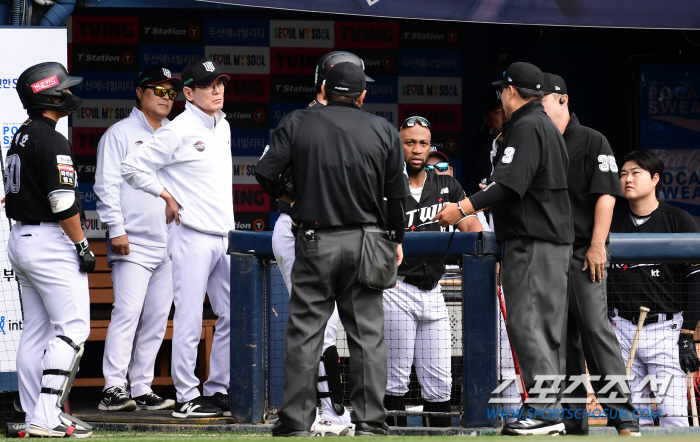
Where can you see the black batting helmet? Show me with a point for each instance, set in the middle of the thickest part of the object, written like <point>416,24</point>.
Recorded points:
<point>327,61</point>
<point>38,85</point>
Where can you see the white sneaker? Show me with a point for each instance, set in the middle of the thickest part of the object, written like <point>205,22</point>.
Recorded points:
<point>326,428</point>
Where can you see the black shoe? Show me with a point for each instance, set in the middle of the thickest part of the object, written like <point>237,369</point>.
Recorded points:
<point>528,427</point>
<point>629,428</point>
<point>116,399</point>
<point>69,427</point>
<point>279,430</point>
<point>199,407</point>
<point>371,429</point>
<point>222,401</point>
<point>151,401</point>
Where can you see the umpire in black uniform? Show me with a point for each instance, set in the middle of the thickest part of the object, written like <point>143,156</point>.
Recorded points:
<point>593,185</point>
<point>533,224</point>
<point>344,163</point>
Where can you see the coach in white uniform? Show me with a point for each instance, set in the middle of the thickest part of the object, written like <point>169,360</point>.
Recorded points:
<point>141,269</point>
<point>188,164</point>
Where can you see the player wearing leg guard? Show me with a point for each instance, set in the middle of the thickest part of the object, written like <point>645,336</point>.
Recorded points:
<point>331,362</point>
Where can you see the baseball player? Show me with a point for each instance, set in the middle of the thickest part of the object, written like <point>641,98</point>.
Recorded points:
<point>188,164</point>
<point>42,197</point>
<point>141,268</point>
<point>416,322</point>
<point>666,347</point>
<point>593,185</point>
<point>532,215</point>
<point>345,161</point>
<point>330,391</point>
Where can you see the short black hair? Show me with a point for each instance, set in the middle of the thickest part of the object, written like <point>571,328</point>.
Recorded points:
<point>529,94</point>
<point>342,96</point>
<point>648,161</point>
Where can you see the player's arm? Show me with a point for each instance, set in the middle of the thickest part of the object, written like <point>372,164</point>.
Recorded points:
<point>395,188</point>
<point>469,223</point>
<point>596,255</point>
<point>110,154</point>
<point>491,195</point>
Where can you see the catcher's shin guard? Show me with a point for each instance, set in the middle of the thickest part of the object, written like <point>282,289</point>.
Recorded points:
<point>437,421</point>
<point>69,374</point>
<point>395,403</point>
<point>331,362</point>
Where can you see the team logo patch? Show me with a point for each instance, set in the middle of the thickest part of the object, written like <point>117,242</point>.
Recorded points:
<point>138,143</point>
<point>208,66</point>
<point>166,72</point>
<point>64,159</point>
<point>199,145</point>
<point>45,84</point>
<point>66,174</point>
<point>444,190</point>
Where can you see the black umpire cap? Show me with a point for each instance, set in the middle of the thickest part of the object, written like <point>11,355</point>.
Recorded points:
<point>201,72</point>
<point>521,74</point>
<point>553,84</point>
<point>346,77</point>
<point>159,74</point>
<point>327,61</point>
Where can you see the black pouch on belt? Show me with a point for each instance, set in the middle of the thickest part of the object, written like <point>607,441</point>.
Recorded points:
<point>378,262</point>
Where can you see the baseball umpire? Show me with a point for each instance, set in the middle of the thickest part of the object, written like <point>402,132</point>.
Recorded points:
<point>533,224</point>
<point>593,185</point>
<point>330,387</point>
<point>666,348</point>
<point>188,164</point>
<point>42,197</point>
<point>141,268</point>
<point>416,322</point>
<point>344,162</point>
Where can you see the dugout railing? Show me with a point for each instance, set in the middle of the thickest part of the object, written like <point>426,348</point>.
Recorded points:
<point>258,312</point>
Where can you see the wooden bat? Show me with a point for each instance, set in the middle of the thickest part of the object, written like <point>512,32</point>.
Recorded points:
<point>693,404</point>
<point>502,301</point>
<point>642,316</point>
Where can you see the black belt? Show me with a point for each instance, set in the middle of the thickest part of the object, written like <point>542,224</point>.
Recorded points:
<point>30,223</point>
<point>652,318</point>
<point>424,283</point>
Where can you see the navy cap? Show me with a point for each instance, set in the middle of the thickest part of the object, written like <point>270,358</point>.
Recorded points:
<point>521,74</point>
<point>553,84</point>
<point>159,74</point>
<point>346,77</point>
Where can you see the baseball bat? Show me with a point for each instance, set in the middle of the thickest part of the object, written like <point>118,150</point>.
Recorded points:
<point>642,316</point>
<point>693,404</point>
<point>502,301</point>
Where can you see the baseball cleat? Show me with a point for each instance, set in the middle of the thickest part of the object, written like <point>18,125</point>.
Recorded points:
<point>116,399</point>
<point>628,428</point>
<point>222,401</point>
<point>199,407</point>
<point>151,401</point>
<point>532,427</point>
<point>326,428</point>
<point>67,428</point>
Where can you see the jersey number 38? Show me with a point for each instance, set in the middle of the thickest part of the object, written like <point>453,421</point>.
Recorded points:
<point>607,163</point>
<point>12,174</point>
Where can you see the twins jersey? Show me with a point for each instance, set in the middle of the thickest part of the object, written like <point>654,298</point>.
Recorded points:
<point>663,288</point>
<point>39,162</point>
<point>438,190</point>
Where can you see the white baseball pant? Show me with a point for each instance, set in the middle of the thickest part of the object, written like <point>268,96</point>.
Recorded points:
<point>283,248</point>
<point>657,355</point>
<point>56,302</point>
<point>200,267</point>
<point>417,332</point>
<point>143,295</point>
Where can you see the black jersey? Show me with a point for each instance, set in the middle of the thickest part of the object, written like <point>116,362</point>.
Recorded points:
<point>39,161</point>
<point>663,288</point>
<point>592,172</point>
<point>344,162</point>
<point>533,162</point>
<point>438,190</point>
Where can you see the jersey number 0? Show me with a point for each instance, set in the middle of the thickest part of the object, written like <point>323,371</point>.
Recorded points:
<point>12,174</point>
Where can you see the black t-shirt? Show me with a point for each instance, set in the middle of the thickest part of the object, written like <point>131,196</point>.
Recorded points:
<point>592,172</point>
<point>438,190</point>
<point>344,162</point>
<point>665,288</point>
<point>39,161</point>
<point>533,162</point>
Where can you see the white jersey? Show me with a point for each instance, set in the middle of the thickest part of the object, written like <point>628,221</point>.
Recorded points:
<point>191,158</point>
<point>124,209</point>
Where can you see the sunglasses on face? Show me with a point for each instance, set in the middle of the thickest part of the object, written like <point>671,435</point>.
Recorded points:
<point>160,91</point>
<point>411,121</point>
<point>441,167</point>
